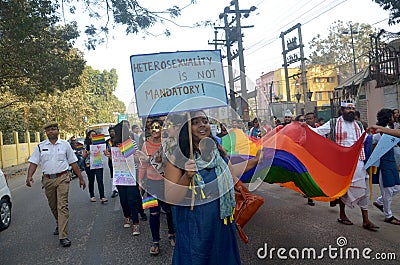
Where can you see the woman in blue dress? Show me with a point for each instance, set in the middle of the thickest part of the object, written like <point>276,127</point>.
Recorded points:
<point>205,228</point>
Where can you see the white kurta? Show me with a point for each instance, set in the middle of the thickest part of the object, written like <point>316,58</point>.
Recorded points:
<point>359,189</point>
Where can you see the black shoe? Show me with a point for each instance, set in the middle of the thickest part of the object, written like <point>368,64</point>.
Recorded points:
<point>334,203</point>
<point>144,217</point>
<point>65,242</point>
<point>114,194</point>
<point>55,231</point>
<point>311,202</point>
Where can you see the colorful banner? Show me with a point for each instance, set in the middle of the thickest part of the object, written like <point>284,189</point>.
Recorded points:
<point>96,155</point>
<point>178,81</point>
<point>98,139</point>
<point>298,158</point>
<point>123,174</point>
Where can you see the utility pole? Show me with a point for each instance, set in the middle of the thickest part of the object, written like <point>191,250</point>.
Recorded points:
<point>233,34</point>
<point>303,66</point>
<point>352,45</point>
<point>228,44</point>
<point>287,47</point>
<point>245,106</point>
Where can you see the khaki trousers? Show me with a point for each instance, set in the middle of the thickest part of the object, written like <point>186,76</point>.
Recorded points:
<point>56,191</point>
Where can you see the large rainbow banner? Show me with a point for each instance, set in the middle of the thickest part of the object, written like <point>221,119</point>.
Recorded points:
<point>296,157</point>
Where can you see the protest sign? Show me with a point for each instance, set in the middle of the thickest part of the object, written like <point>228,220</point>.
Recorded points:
<point>124,172</point>
<point>96,155</point>
<point>178,81</point>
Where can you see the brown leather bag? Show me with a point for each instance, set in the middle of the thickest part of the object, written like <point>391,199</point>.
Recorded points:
<point>247,205</point>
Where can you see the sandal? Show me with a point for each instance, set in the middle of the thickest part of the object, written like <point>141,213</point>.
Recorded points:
<point>370,227</point>
<point>392,220</point>
<point>345,221</point>
<point>155,249</point>
<point>377,205</point>
<point>172,240</point>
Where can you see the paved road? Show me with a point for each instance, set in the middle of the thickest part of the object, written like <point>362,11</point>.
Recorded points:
<point>285,221</point>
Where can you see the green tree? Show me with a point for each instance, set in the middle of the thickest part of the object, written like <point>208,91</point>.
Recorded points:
<point>394,7</point>
<point>100,86</point>
<point>106,15</point>
<point>37,56</point>
<point>336,48</point>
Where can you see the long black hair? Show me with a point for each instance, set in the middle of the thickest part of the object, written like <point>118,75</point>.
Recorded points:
<point>88,141</point>
<point>183,141</point>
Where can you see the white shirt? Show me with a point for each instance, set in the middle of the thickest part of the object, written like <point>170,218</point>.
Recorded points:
<point>347,127</point>
<point>53,158</point>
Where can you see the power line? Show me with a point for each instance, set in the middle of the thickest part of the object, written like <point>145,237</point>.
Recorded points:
<point>273,39</point>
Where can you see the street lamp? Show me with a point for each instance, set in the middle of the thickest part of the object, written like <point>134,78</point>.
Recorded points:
<point>309,94</point>
<point>352,45</point>
<point>298,96</point>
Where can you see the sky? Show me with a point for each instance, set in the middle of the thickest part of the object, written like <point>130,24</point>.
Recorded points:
<point>263,50</point>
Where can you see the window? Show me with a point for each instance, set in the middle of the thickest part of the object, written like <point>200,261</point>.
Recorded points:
<point>330,79</point>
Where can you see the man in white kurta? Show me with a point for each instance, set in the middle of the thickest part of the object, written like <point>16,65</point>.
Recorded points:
<point>347,132</point>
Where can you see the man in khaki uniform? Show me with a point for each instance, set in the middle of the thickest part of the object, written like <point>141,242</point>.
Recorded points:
<point>54,156</point>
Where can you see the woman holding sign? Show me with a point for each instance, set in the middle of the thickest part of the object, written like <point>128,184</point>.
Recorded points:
<point>205,229</point>
<point>93,173</point>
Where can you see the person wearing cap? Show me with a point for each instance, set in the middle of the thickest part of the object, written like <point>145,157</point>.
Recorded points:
<point>288,117</point>
<point>345,131</point>
<point>54,157</point>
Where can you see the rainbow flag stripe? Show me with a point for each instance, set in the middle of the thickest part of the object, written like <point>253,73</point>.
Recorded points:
<point>299,159</point>
<point>98,139</point>
<point>79,146</point>
<point>128,147</point>
<point>150,202</point>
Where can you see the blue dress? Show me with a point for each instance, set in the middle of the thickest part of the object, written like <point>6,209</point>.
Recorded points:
<point>201,236</point>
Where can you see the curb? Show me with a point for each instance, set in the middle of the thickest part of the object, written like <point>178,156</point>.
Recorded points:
<point>16,171</point>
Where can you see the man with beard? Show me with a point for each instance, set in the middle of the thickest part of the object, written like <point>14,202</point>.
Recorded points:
<point>345,131</point>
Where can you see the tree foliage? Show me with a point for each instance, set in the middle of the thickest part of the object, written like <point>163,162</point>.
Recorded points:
<point>394,7</point>
<point>336,48</point>
<point>105,15</point>
<point>36,55</point>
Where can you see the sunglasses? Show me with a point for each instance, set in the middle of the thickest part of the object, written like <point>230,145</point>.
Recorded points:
<point>155,128</point>
<point>303,120</point>
<point>350,108</point>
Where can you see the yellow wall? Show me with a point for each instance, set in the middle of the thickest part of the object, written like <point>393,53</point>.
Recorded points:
<point>321,80</point>
<point>15,154</point>
<point>280,83</point>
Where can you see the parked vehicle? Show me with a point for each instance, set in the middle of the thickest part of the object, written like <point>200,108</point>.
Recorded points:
<point>5,203</point>
<point>102,128</point>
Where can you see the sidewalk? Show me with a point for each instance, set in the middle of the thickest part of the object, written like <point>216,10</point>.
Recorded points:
<point>16,171</point>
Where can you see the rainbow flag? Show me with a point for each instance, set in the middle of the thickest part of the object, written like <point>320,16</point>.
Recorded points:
<point>98,139</point>
<point>150,202</point>
<point>79,146</point>
<point>298,158</point>
<point>128,148</point>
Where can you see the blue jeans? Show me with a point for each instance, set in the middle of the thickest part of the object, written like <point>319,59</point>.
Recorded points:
<point>128,197</point>
<point>98,174</point>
